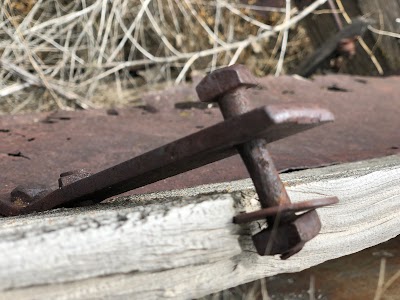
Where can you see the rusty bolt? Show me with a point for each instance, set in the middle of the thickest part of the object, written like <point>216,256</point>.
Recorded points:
<point>69,177</point>
<point>288,238</point>
<point>226,80</point>
<point>227,86</point>
<point>25,194</point>
<point>290,207</point>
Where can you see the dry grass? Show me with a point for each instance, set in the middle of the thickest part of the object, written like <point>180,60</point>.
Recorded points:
<point>58,54</point>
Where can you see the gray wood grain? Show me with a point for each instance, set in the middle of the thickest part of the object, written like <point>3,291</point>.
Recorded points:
<point>182,244</point>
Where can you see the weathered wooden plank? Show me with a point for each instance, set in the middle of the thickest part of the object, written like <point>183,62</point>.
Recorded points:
<point>182,244</point>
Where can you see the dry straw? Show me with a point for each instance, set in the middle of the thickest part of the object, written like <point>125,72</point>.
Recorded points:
<point>67,54</point>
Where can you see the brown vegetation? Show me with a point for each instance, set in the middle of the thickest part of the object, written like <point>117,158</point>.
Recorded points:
<point>94,53</point>
<point>72,49</point>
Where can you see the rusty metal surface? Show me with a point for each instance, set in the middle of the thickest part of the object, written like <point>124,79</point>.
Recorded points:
<point>38,147</point>
<point>290,235</point>
<point>290,207</point>
<point>200,148</point>
<point>228,87</point>
<point>222,81</point>
<point>244,130</point>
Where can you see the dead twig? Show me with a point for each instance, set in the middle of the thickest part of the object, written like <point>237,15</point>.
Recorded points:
<point>284,41</point>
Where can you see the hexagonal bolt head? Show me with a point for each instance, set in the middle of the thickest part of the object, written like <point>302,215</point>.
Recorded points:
<point>25,194</point>
<point>289,238</point>
<point>223,81</point>
<point>69,177</point>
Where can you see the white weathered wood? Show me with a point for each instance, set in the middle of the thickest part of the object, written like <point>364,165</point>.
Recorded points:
<point>182,244</point>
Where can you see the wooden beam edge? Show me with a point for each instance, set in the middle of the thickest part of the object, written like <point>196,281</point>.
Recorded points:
<point>209,258</point>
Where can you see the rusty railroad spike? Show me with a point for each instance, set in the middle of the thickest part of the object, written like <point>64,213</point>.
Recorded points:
<point>287,232</point>
<point>210,144</point>
<point>243,130</point>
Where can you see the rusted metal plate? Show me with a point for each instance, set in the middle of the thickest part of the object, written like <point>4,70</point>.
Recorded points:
<point>208,145</point>
<point>38,147</point>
